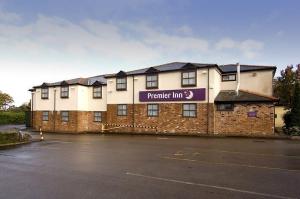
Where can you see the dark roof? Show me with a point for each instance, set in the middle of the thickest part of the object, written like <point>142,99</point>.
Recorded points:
<point>174,66</point>
<point>231,68</point>
<point>78,81</point>
<point>243,96</point>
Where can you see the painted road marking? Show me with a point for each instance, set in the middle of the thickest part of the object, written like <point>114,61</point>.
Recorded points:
<point>162,138</point>
<point>244,153</point>
<point>231,164</point>
<point>210,186</point>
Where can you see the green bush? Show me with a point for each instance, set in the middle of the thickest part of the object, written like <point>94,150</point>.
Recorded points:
<point>13,137</point>
<point>9,117</point>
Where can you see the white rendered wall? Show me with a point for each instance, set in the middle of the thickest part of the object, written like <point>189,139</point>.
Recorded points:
<point>255,81</point>
<point>166,81</point>
<point>119,97</point>
<point>80,99</point>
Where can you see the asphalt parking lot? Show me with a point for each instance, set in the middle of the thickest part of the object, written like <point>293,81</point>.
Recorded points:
<point>124,166</point>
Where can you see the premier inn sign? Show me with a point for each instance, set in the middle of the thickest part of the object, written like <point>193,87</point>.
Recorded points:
<point>172,95</point>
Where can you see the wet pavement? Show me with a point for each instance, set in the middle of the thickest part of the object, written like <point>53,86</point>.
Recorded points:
<point>124,166</point>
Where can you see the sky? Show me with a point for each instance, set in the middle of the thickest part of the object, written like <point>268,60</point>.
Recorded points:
<point>54,40</point>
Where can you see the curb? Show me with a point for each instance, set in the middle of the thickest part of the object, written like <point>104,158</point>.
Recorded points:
<point>271,137</point>
<point>10,145</point>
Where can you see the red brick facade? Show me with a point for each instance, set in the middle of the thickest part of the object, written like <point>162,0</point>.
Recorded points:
<point>79,121</point>
<point>169,120</point>
<point>237,121</point>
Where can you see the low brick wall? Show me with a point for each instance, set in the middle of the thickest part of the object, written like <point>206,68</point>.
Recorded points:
<point>237,121</point>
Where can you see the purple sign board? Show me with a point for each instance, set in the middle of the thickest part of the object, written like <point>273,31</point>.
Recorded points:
<point>172,95</point>
<point>252,114</point>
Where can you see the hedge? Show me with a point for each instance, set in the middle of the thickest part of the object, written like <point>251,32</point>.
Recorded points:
<point>13,137</point>
<point>9,117</point>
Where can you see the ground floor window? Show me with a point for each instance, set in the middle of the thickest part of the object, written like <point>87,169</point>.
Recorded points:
<point>122,110</point>
<point>45,116</point>
<point>65,116</point>
<point>225,107</point>
<point>153,110</point>
<point>97,116</point>
<point>189,110</point>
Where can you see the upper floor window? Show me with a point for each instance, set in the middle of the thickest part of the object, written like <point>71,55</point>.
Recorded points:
<point>152,110</point>
<point>230,77</point>
<point>189,110</point>
<point>45,116</point>
<point>152,81</point>
<point>121,83</point>
<point>45,93</point>
<point>65,116</point>
<point>122,110</point>
<point>64,92</point>
<point>188,78</point>
<point>97,92</point>
<point>225,107</point>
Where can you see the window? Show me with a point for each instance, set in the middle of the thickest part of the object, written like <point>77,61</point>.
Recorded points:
<point>45,116</point>
<point>152,110</point>
<point>64,116</point>
<point>189,110</point>
<point>188,78</point>
<point>97,116</point>
<point>97,92</point>
<point>64,92</point>
<point>121,83</point>
<point>122,109</point>
<point>45,93</point>
<point>225,107</point>
<point>231,77</point>
<point>152,81</point>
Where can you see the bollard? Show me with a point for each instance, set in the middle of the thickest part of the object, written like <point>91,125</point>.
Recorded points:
<point>41,134</point>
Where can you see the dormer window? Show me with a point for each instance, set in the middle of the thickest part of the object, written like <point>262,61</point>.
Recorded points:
<point>152,81</point>
<point>45,93</point>
<point>97,92</point>
<point>121,81</point>
<point>188,78</point>
<point>64,92</point>
<point>229,77</point>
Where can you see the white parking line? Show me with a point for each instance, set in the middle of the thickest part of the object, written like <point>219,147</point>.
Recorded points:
<point>210,186</point>
<point>243,153</point>
<point>231,164</point>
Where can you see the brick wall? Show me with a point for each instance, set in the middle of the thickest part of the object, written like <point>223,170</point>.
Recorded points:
<point>170,119</point>
<point>79,121</point>
<point>238,122</point>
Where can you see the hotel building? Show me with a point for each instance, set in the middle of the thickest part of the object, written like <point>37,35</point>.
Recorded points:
<point>173,98</point>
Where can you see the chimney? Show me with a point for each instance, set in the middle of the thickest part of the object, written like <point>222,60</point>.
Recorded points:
<point>238,75</point>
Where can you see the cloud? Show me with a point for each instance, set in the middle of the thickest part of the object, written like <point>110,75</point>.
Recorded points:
<point>9,16</point>
<point>249,48</point>
<point>51,48</point>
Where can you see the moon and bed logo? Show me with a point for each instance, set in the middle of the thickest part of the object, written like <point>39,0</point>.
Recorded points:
<point>188,94</point>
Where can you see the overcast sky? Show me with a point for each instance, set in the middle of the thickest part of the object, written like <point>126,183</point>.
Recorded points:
<point>53,40</point>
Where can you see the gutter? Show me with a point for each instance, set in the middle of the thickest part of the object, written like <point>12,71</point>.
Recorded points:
<point>207,105</point>
<point>133,108</point>
<point>54,110</point>
<point>31,109</point>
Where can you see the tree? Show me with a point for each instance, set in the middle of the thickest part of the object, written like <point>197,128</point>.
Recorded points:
<point>284,86</point>
<point>292,117</point>
<point>5,101</point>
